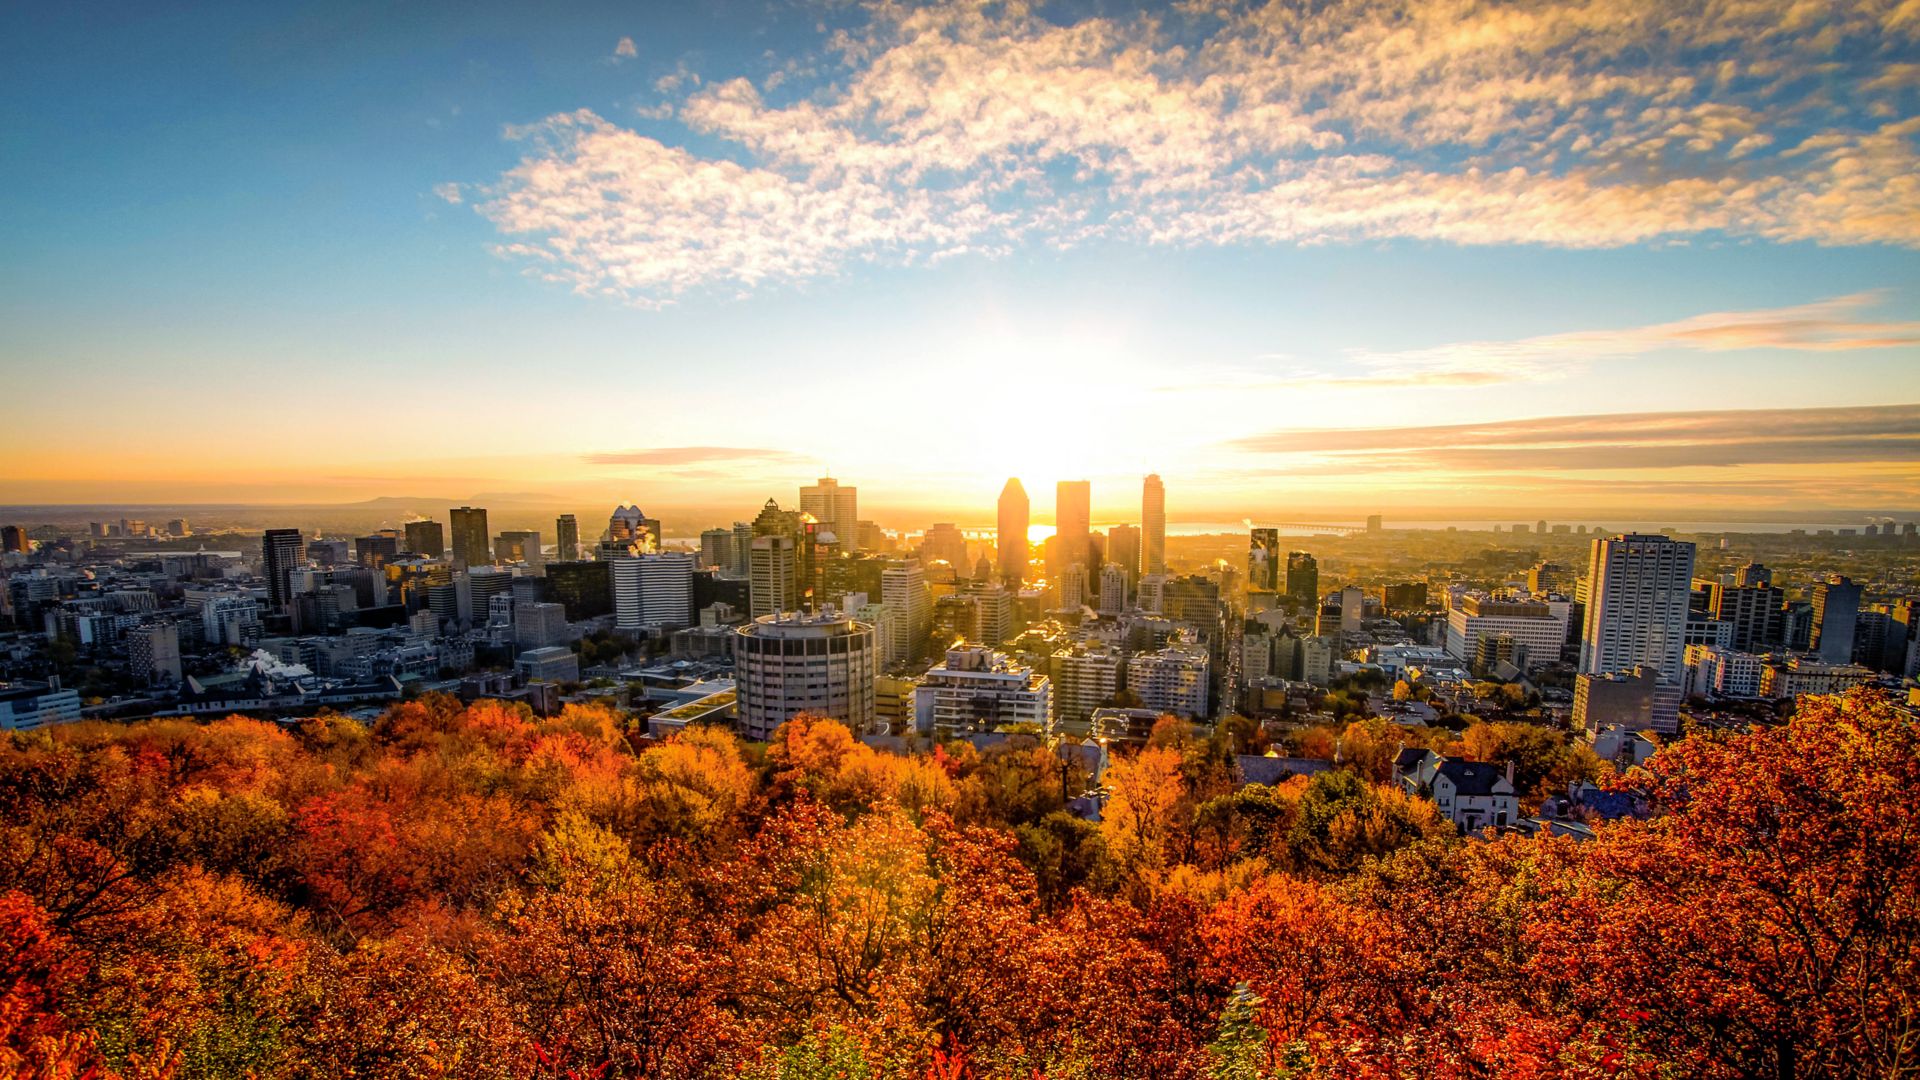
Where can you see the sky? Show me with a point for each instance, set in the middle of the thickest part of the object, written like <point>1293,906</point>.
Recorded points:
<point>1299,259</point>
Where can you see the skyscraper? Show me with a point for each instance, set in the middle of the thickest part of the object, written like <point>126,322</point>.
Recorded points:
<point>836,506</point>
<point>1073,526</point>
<point>1153,519</point>
<point>1113,589</point>
<point>566,538</point>
<point>653,590</point>
<point>944,542</point>
<point>773,576</point>
<point>470,536</point>
<point>283,549</point>
<point>903,592</point>
<point>1263,561</point>
<point>1836,613</point>
<point>1010,541</point>
<point>1123,547</point>
<point>1638,591</point>
<point>716,548</point>
<point>520,545</point>
<point>1303,580</point>
<point>426,538</point>
<point>630,527</point>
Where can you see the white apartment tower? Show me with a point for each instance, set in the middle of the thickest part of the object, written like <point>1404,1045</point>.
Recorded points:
<point>979,690</point>
<point>1637,593</point>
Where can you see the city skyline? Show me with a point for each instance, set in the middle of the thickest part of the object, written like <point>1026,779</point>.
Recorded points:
<point>1630,263</point>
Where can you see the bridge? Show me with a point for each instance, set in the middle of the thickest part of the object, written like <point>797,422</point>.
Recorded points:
<point>1303,526</point>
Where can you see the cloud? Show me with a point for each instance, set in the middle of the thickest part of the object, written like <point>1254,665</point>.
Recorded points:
<point>625,49</point>
<point>1831,325</point>
<point>686,455</point>
<point>1866,434</point>
<point>449,193</point>
<point>961,127</point>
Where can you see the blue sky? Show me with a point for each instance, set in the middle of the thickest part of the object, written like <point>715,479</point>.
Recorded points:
<point>926,247</point>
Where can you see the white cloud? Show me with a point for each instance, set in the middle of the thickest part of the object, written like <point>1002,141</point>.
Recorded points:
<point>625,49</point>
<point>968,126</point>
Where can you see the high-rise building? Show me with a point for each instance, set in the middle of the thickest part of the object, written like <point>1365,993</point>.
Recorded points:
<point>1263,561</point>
<point>1085,677</point>
<point>13,540</point>
<point>909,606</point>
<point>945,542</point>
<point>1071,586</point>
<point>1172,680</point>
<point>1836,613</point>
<point>1113,589</point>
<point>824,664</point>
<point>153,653</point>
<point>283,550</point>
<point>1303,580</point>
<point>837,506</point>
<point>1638,588</point>
<point>653,590</point>
<point>629,527</point>
<point>774,576</point>
<point>742,547</point>
<point>470,537</point>
<point>1153,522</point>
<point>376,550</point>
<point>566,538</point>
<point>584,587</point>
<point>426,538</point>
<point>1073,526</point>
<point>978,691</point>
<point>520,546</point>
<point>1537,625</point>
<point>716,548</point>
<point>1752,607</point>
<point>1010,540</point>
<point>1123,547</point>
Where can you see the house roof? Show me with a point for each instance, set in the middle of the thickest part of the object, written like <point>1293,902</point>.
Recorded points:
<point>1269,771</point>
<point>1410,758</point>
<point>1473,777</point>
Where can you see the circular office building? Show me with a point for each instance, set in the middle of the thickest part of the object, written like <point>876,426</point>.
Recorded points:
<point>792,663</point>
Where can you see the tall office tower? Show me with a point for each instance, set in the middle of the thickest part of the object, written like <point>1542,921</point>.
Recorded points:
<point>377,550</point>
<point>824,664</point>
<point>630,527</point>
<point>1753,574</point>
<point>1547,577</point>
<point>903,592</point>
<point>1263,561</point>
<point>993,606</point>
<point>1153,520</point>
<point>1113,589</point>
<point>1123,547</point>
<point>566,538</point>
<point>1836,611</point>
<point>426,538</point>
<point>1373,522</point>
<point>483,584</point>
<point>1353,609</point>
<point>945,542</point>
<point>13,540</point>
<point>1073,526</point>
<point>836,506</point>
<point>773,575</point>
<point>470,537</point>
<point>1638,587</point>
<point>653,590</point>
<point>716,548</point>
<point>1010,541</point>
<point>520,545</point>
<point>1303,580</point>
<point>742,547</point>
<point>1152,594</point>
<point>282,548</point>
